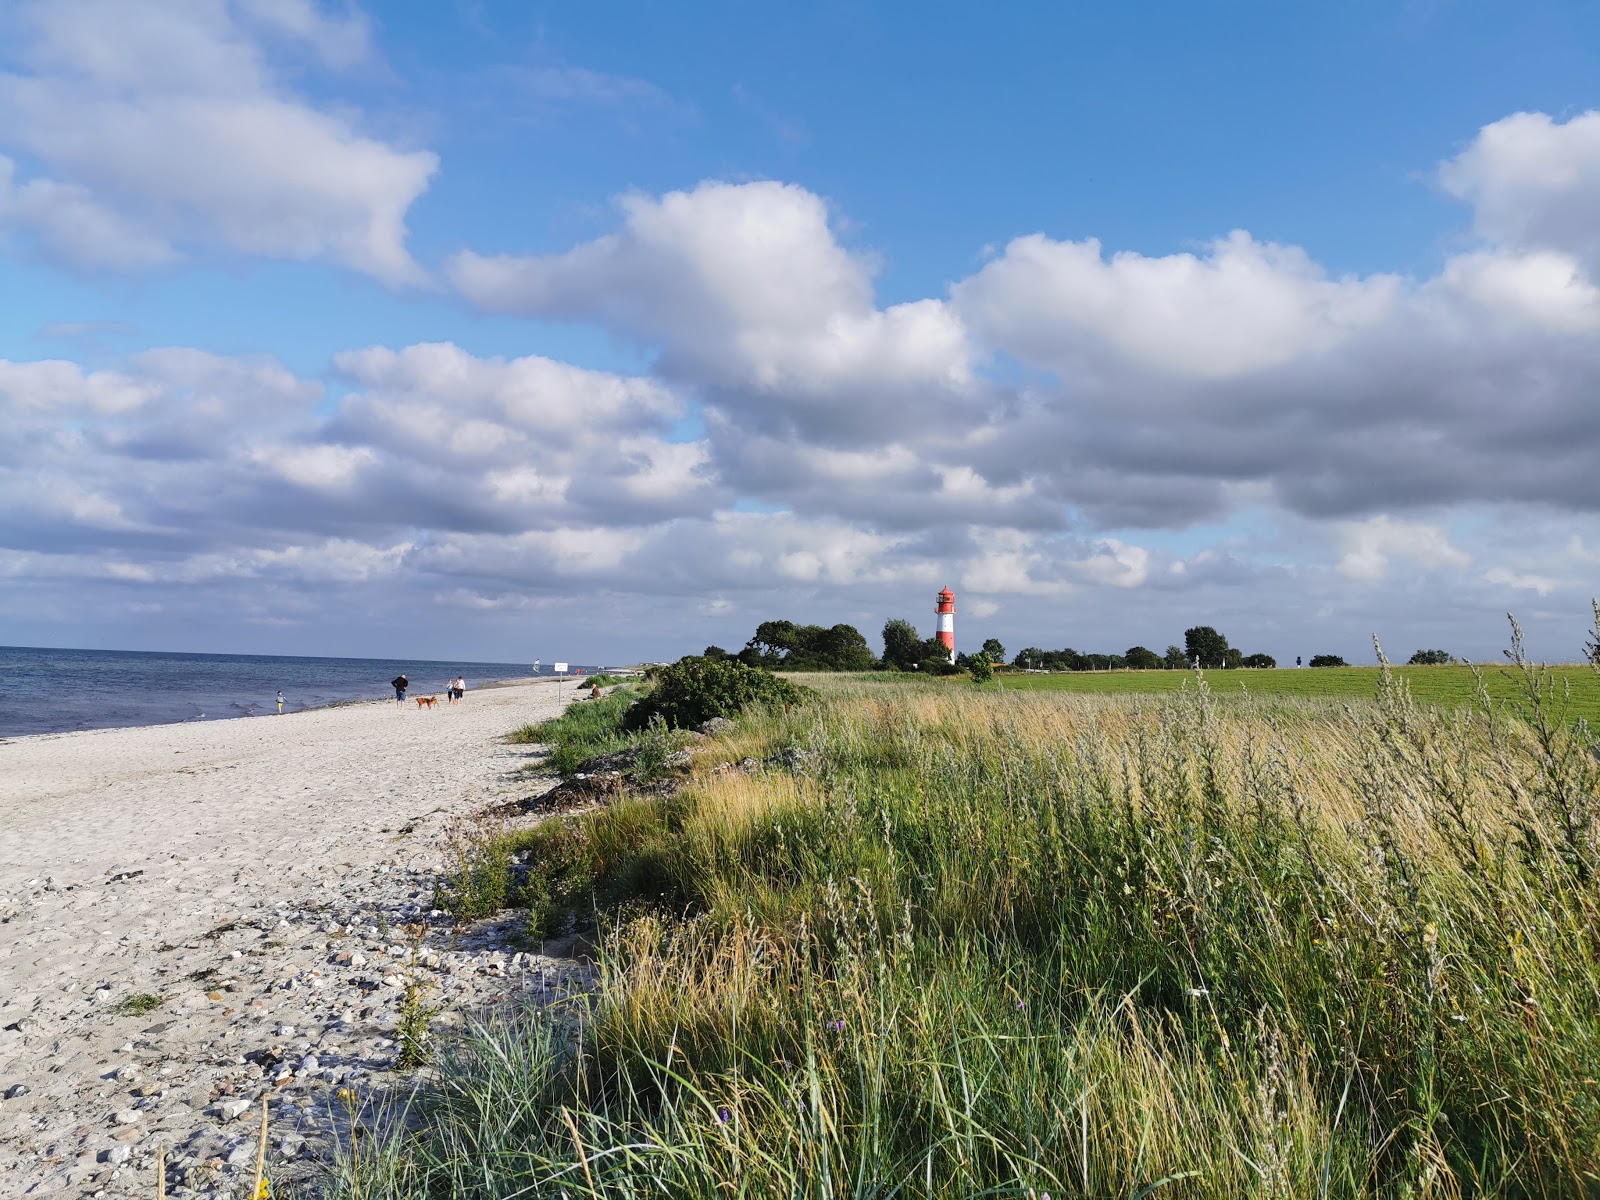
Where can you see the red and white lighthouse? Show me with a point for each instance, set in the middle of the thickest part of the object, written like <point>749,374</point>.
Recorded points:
<point>946,632</point>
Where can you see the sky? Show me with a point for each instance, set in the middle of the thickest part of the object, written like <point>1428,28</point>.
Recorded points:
<point>508,330</point>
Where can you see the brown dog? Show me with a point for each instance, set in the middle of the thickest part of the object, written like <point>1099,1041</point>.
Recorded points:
<point>426,701</point>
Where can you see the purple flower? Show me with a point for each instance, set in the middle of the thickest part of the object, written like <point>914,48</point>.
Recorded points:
<point>837,1024</point>
<point>724,1116</point>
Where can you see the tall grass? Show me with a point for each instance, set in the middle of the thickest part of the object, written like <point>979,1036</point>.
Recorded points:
<point>974,944</point>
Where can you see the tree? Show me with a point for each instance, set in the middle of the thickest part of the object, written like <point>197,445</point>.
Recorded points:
<point>773,641</point>
<point>1030,658</point>
<point>1259,661</point>
<point>1141,658</point>
<point>1175,659</point>
<point>902,648</point>
<point>843,648</point>
<point>804,648</point>
<point>1206,644</point>
<point>1328,660</point>
<point>982,668</point>
<point>993,650</point>
<point>1233,658</point>
<point>713,652</point>
<point>1431,658</point>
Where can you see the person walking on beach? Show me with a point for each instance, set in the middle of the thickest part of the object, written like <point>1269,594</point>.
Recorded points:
<point>400,683</point>
<point>461,687</point>
<point>280,704</point>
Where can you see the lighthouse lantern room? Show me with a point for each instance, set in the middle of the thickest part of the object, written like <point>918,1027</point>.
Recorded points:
<point>946,611</point>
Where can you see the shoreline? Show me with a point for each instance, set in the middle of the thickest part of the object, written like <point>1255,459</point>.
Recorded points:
<point>350,702</point>
<point>254,880</point>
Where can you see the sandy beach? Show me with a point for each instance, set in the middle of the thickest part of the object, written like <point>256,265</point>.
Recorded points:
<point>253,874</point>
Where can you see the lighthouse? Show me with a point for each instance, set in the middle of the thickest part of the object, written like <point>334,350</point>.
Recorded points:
<point>946,628</point>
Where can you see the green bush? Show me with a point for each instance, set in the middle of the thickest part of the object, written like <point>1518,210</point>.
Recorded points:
<point>693,690</point>
<point>1328,660</point>
<point>1431,658</point>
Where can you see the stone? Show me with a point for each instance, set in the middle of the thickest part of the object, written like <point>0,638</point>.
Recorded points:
<point>290,1144</point>
<point>16,1090</point>
<point>126,1117</point>
<point>116,1155</point>
<point>228,1110</point>
<point>241,1154</point>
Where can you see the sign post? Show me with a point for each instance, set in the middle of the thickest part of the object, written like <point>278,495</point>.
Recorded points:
<point>561,677</point>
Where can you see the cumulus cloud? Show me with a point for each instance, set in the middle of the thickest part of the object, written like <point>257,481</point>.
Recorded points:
<point>153,128</point>
<point>1241,307</point>
<point>1070,425</point>
<point>744,290</point>
<point>1531,181</point>
<point>1371,546</point>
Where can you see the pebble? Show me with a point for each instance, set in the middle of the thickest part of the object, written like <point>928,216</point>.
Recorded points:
<point>308,1020</point>
<point>241,1154</point>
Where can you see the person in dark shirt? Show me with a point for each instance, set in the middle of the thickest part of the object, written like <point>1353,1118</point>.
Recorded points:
<point>399,683</point>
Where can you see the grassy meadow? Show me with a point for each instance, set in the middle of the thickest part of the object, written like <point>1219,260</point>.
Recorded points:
<point>1447,687</point>
<point>942,941</point>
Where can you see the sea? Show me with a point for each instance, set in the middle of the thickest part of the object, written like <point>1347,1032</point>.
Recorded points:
<point>53,691</point>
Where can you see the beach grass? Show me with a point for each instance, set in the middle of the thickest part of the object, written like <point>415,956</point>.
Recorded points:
<point>584,730</point>
<point>945,941</point>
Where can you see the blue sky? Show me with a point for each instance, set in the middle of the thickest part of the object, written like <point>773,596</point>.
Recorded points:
<point>531,330</point>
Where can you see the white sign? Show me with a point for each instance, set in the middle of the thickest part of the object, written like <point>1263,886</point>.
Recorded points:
<point>561,668</point>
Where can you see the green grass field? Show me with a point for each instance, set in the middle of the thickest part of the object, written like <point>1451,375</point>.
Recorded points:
<point>1438,687</point>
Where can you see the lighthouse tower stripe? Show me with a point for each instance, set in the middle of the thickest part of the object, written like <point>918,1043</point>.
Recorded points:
<point>945,609</point>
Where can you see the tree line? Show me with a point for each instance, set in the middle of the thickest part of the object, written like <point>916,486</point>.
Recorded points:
<point>791,647</point>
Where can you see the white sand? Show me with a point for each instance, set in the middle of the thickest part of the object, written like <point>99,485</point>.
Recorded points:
<point>227,821</point>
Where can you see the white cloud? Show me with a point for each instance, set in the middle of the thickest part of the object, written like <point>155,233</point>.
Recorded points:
<point>159,127</point>
<point>1544,287</point>
<point>1371,546</point>
<point>744,287</point>
<point>1542,584</point>
<point>1532,182</point>
<point>1242,307</point>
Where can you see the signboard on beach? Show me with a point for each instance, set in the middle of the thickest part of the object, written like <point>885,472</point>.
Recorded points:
<point>561,668</point>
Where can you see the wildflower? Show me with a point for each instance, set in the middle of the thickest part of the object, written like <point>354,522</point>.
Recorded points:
<point>1197,992</point>
<point>837,1024</point>
<point>1021,1004</point>
<point>723,1116</point>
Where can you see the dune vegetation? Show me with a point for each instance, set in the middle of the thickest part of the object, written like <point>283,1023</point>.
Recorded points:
<point>934,940</point>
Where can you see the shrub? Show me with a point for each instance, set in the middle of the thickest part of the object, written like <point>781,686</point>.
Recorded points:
<point>982,669</point>
<point>1328,660</point>
<point>693,690</point>
<point>1431,658</point>
<point>1260,661</point>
